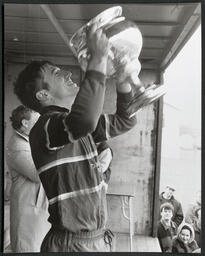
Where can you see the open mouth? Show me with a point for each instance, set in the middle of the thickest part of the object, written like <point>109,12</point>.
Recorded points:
<point>69,82</point>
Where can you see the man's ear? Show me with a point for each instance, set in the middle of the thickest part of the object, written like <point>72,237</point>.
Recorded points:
<point>24,123</point>
<point>42,95</point>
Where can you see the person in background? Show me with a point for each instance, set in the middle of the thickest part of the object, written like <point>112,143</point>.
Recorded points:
<point>105,154</point>
<point>190,213</point>
<point>167,229</point>
<point>7,187</point>
<point>197,225</point>
<point>193,217</point>
<point>28,203</point>
<point>184,242</point>
<point>65,153</point>
<point>167,197</point>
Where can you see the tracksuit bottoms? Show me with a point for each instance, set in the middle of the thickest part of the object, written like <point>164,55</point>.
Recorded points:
<point>62,240</point>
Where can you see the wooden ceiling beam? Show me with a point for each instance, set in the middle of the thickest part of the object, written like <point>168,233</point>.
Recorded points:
<point>37,43</point>
<point>145,37</point>
<point>55,23</point>
<point>138,22</point>
<point>63,60</point>
<point>33,32</point>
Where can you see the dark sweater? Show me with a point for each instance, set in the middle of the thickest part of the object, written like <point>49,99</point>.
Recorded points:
<point>165,235</point>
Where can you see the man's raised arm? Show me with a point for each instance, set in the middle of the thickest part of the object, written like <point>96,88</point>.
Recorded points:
<point>111,125</point>
<point>88,104</point>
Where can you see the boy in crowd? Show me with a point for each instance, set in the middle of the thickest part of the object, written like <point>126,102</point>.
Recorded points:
<point>167,229</point>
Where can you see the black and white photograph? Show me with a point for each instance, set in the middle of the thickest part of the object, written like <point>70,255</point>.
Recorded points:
<point>102,127</point>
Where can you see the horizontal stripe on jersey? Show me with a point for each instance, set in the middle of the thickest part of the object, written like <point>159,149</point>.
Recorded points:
<point>77,193</point>
<point>63,179</point>
<point>84,212</point>
<point>67,160</point>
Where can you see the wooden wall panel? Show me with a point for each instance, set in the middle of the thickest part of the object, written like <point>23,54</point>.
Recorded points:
<point>133,164</point>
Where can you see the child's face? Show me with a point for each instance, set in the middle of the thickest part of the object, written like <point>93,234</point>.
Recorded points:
<point>166,214</point>
<point>185,235</point>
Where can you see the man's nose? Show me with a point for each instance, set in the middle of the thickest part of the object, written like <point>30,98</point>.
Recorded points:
<point>65,73</point>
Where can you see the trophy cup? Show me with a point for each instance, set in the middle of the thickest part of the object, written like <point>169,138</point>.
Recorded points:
<point>126,42</point>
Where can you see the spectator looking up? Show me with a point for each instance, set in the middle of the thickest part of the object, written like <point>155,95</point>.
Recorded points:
<point>167,229</point>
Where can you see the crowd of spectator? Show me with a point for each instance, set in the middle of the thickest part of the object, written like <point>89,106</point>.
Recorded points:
<point>178,232</point>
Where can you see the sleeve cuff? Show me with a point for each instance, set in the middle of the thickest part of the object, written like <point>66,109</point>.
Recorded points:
<point>124,97</point>
<point>95,75</point>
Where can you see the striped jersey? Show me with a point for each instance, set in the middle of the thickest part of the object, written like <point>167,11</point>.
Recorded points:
<point>63,146</point>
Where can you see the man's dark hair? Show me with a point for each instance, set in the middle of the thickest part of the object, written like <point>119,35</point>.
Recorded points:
<point>167,206</point>
<point>29,82</point>
<point>18,114</point>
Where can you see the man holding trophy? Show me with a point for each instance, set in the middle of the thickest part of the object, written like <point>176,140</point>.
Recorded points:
<point>63,142</point>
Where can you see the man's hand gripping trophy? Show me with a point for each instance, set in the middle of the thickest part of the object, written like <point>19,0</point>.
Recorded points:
<point>125,44</point>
